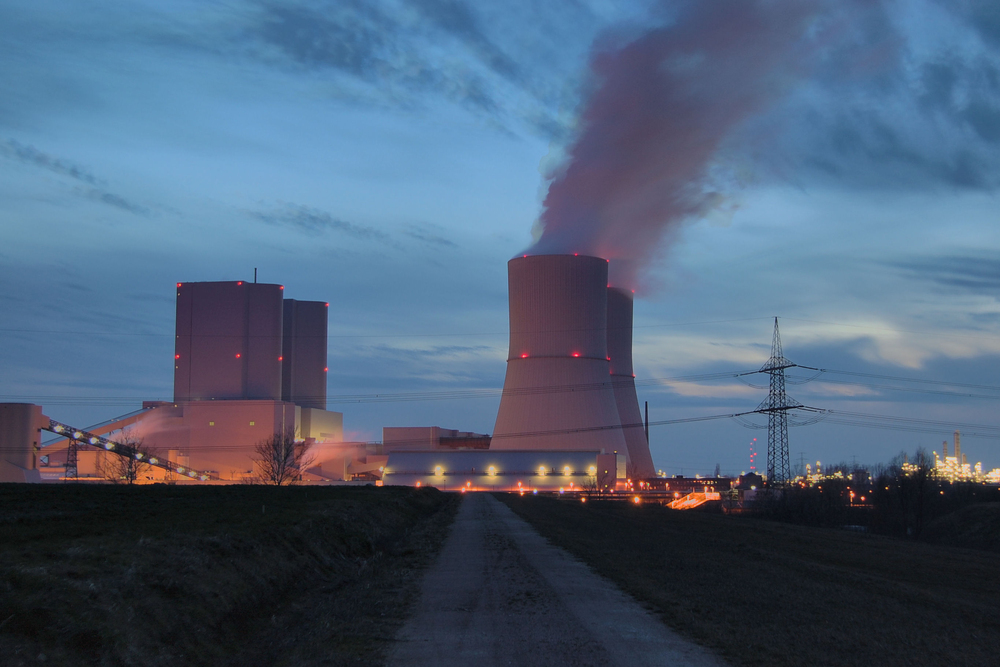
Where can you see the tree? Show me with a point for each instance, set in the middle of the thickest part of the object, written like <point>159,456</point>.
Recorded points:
<point>280,458</point>
<point>127,461</point>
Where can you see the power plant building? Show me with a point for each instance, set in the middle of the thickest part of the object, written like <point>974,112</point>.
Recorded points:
<point>303,353</point>
<point>228,341</point>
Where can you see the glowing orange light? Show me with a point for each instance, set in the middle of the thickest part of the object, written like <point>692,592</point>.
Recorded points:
<point>635,500</point>
<point>583,500</point>
<point>418,483</point>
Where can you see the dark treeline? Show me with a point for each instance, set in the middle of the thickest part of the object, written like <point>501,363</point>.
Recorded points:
<point>899,498</point>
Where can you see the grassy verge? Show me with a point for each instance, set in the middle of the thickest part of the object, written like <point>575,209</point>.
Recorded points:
<point>237,575</point>
<point>763,593</point>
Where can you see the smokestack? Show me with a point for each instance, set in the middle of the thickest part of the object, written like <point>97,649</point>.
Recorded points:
<point>958,447</point>
<point>557,393</point>
<point>620,353</point>
<point>944,446</point>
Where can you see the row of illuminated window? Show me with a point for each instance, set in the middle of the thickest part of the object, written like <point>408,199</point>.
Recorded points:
<point>542,471</point>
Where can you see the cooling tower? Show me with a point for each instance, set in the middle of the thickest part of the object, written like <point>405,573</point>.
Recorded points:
<point>557,393</point>
<point>620,354</point>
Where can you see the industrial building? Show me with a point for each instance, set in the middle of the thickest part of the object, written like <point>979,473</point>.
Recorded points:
<point>249,363</point>
<point>506,470</point>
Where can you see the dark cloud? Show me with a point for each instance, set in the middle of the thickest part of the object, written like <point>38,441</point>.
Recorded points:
<point>117,201</point>
<point>31,155</point>
<point>458,19</point>
<point>315,222</point>
<point>985,17</point>
<point>427,235</point>
<point>349,38</point>
<point>969,273</point>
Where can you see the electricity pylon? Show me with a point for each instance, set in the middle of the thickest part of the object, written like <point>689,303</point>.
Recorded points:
<point>776,405</point>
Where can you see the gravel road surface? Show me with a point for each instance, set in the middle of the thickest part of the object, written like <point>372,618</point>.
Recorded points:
<point>499,594</point>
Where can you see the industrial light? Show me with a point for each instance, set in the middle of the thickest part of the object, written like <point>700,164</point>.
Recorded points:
<point>77,434</point>
<point>492,470</point>
<point>566,471</point>
<point>438,471</point>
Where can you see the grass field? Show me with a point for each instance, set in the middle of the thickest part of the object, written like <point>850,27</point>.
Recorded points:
<point>764,593</point>
<point>235,575</point>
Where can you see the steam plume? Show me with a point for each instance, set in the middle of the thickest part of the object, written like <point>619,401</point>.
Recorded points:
<point>664,105</point>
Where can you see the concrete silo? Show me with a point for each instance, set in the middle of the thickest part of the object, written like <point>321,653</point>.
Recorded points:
<point>558,393</point>
<point>620,355</point>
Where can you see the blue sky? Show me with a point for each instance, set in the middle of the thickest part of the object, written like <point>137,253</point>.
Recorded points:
<point>390,157</point>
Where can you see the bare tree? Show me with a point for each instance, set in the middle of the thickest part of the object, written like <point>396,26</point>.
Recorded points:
<point>280,458</point>
<point>127,461</point>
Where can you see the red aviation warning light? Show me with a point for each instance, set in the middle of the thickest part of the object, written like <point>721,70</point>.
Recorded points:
<point>238,355</point>
<point>576,354</point>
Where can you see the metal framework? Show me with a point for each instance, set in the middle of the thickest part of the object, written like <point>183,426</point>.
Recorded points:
<point>82,437</point>
<point>71,470</point>
<point>776,406</point>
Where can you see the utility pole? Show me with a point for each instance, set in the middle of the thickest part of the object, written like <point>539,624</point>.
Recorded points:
<point>776,406</point>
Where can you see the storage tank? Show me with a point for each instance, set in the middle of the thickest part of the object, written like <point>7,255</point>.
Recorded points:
<point>558,392</point>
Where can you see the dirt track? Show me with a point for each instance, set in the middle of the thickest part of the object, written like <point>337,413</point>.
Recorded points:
<point>499,594</point>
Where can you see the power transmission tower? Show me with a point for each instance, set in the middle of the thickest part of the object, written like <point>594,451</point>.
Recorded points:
<point>776,405</point>
<point>71,470</point>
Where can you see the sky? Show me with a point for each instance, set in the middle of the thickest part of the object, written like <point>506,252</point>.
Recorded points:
<point>832,164</point>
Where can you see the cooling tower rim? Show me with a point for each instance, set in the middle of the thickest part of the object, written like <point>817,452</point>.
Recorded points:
<point>581,256</point>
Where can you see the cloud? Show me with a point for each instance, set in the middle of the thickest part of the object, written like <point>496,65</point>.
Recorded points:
<point>31,155</point>
<point>458,19</point>
<point>315,222</point>
<point>117,201</point>
<point>426,234</point>
<point>967,273</point>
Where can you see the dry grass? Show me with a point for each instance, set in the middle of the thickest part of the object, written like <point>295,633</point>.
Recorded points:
<point>763,593</point>
<point>236,575</point>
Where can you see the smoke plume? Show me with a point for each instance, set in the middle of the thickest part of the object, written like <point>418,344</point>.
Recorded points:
<point>673,117</point>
